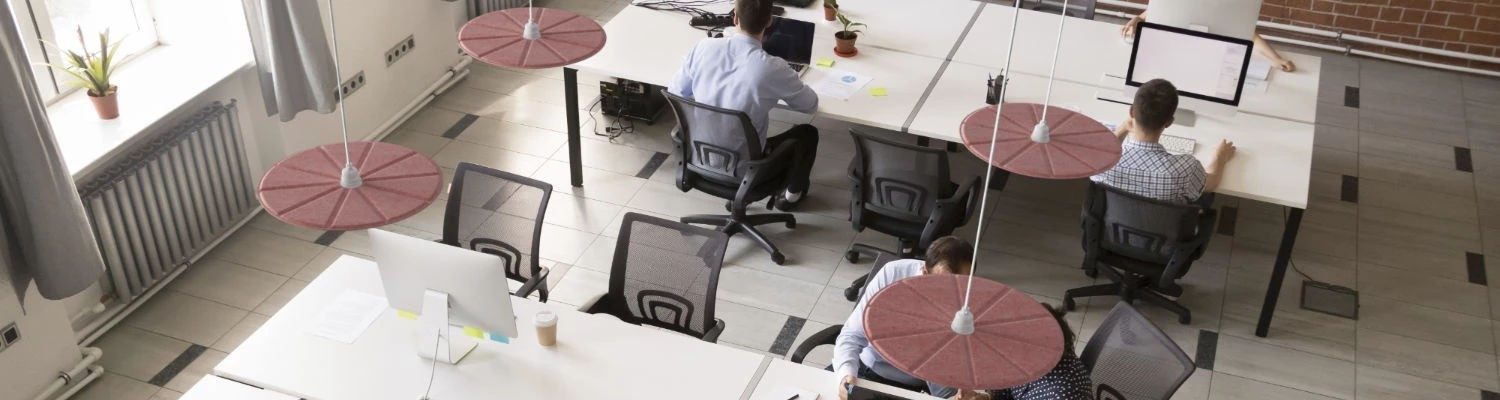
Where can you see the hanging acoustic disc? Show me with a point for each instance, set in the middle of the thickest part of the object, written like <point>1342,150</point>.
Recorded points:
<point>566,38</point>
<point>1079,147</point>
<point>304,189</point>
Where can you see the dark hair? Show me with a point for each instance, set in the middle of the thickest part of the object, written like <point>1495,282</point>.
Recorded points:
<point>754,15</point>
<point>1067,331</point>
<point>1155,102</point>
<point>952,252</point>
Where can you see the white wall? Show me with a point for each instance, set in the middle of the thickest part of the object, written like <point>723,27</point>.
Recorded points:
<point>46,346</point>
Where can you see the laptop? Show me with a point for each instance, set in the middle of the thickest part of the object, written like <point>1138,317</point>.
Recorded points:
<point>792,40</point>
<point>794,3</point>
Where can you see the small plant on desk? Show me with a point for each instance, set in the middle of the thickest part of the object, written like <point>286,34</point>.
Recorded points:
<point>830,9</point>
<point>844,39</point>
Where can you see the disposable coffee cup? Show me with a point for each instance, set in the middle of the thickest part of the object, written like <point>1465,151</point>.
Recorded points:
<point>546,328</point>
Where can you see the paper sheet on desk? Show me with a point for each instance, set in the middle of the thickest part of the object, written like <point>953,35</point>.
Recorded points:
<point>840,84</point>
<point>348,316</point>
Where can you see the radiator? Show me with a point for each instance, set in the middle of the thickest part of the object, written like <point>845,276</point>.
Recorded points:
<point>166,199</point>
<point>481,7</point>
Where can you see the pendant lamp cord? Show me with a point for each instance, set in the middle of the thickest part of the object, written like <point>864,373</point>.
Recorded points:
<point>339,87</point>
<point>1056,48</point>
<point>984,200</point>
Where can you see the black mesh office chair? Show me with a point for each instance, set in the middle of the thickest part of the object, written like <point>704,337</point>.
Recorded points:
<point>730,165</point>
<point>903,191</point>
<point>1076,8</point>
<point>1130,358</point>
<point>1146,245</point>
<point>500,213</point>
<point>665,274</point>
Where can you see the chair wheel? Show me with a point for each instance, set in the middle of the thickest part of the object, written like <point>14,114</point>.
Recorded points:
<point>791,224</point>
<point>1068,304</point>
<point>778,258</point>
<point>852,256</point>
<point>1185,319</point>
<point>1092,273</point>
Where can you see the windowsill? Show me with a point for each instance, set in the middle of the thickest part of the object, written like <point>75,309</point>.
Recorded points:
<point>151,88</point>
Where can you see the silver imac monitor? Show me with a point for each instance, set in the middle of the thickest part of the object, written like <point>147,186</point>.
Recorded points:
<point>1232,18</point>
<point>446,286</point>
<point>1202,66</point>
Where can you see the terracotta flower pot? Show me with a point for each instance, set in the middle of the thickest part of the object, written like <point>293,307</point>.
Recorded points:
<point>844,44</point>
<point>108,105</point>
<point>830,13</point>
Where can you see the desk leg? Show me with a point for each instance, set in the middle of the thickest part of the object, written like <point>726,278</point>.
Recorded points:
<point>575,147</point>
<point>1278,271</point>
<point>952,147</point>
<point>923,141</point>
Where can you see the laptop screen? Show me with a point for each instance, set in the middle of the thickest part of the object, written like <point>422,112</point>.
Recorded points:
<point>790,39</point>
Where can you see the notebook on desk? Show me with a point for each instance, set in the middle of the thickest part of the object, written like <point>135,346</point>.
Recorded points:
<point>791,40</point>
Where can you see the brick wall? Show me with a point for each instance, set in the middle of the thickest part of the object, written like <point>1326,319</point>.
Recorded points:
<point>1466,26</point>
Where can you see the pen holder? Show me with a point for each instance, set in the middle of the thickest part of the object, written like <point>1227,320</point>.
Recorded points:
<point>994,87</point>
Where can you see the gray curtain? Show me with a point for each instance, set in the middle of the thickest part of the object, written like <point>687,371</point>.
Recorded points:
<point>44,232</point>
<point>292,56</point>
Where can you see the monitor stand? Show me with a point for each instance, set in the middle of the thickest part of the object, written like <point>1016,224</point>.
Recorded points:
<point>438,340</point>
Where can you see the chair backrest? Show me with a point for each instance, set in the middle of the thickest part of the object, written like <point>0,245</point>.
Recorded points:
<point>898,180</point>
<point>1139,227</point>
<point>500,213</point>
<point>1076,8</point>
<point>1130,358</point>
<point>715,142</point>
<point>666,273</point>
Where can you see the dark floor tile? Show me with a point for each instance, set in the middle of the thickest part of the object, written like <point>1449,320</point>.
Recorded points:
<point>1476,269</point>
<point>327,238</point>
<point>652,165</point>
<point>1349,191</point>
<point>459,127</point>
<point>177,365</point>
<point>1463,159</point>
<point>1351,96</point>
<point>1208,346</point>
<point>1227,219</point>
<point>788,335</point>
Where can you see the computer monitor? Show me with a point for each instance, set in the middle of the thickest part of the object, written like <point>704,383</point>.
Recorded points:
<point>446,286</point>
<point>1202,66</point>
<point>1232,18</point>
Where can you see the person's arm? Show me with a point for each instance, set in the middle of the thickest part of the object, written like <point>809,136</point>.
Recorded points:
<point>682,83</point>
<point>852,340</point>
<point>1265,49</point>
<point>1123,130</point>
<point>1215,168</point>
<point>1129,29</point>
<point>785,84</point>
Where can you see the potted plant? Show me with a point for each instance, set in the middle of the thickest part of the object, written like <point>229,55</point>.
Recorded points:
<point>844,39</point>
<point>830,9</point>
<point>92,72</point>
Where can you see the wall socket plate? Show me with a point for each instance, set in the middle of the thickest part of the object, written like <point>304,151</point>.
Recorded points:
<point>350,86</point>
<point>9,336</point>
<point>400,50</point>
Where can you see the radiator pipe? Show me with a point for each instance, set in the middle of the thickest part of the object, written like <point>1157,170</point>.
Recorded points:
<point>455,73</point>
<point>1344,48</point>
<point>65,378</point>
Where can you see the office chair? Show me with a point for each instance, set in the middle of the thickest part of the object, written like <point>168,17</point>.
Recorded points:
<point>830,335</point>
<point>1076,8</point>
<point>500,213</point>
<point>903,191</point>
<point>665,274</point>
<point>1146,245</point>
<point>730,165</point>
<point>1130,358</point>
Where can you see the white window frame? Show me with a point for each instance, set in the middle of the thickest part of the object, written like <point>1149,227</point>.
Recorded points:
<point>35,26</point>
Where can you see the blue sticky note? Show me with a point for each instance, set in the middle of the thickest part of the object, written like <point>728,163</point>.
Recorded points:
<point>498,338</point>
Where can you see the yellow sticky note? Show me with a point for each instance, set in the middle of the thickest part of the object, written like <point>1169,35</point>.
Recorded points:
<point>877,91</point>
<point>473,332</point>
<point>824,62</point>
<point>404,314</point>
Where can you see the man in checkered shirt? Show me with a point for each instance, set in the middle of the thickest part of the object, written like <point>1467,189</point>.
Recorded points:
<point>1145,167</point>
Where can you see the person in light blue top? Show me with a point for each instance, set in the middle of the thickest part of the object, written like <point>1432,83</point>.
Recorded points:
<point>734,72</point>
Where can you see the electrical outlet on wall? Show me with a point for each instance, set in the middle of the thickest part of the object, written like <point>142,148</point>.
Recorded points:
<point>9,336</point>
<point>400,50</point>
<point>351,85</point>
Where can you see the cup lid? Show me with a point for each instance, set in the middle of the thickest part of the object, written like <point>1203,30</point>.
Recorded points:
<point>546,318</point>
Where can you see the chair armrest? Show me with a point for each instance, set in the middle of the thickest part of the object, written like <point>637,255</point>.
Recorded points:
<point>781,157</point>
<point>539,281</point>
<point>588,305</point>
<point>1190,250</point>
<point>950,213</point>
<point>712,336</point>
<point>827,336</point>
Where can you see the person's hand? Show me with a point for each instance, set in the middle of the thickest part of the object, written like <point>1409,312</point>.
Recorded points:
<point>1129,29</point>
<point>844,384</point>
<point>1224,152</point>
<point>970,395</point>
<point>1286,65</point>
<point>1125,127</point>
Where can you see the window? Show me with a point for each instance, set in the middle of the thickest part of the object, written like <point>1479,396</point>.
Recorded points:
<point>55,25</point>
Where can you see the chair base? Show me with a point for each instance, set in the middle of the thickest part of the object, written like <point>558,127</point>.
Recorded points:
<point>1128,288</point>
<point>732,225</point>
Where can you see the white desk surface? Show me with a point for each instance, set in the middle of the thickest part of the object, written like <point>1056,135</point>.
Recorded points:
<point>648,46</point>
<point>215,388</point>
<point>597,357</point>
<point>783,374</point>
<point>1272,163</point>
<point>1091,49</point>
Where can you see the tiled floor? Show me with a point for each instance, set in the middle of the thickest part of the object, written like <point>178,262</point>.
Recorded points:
<point>1406,204</point>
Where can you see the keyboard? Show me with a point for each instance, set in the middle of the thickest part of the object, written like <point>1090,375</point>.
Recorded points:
<point>1178,144</point>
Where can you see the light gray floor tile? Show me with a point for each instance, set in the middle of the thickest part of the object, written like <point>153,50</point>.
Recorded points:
<point>832,307</point>
<point>1414,175</point>
<point>580,286</point>
<point>136,353</point>
<point>1292,327</point>
<point>228,283</point>
<point>820,356</point>
<point>266,222</point>
<point>580,213</point>
<point>1378,384</point>
<point>1335,114</point>
<point>598,184</point>
<point>1328,159</point>
<point>750,287</point>
<point>1416,242</point>
<point>666,199</point>
<point>241,331</point>
<point>433,120</point>
<point>1196,387</point>
<point>497,158</point>
<point>201,366</point>
<point>1407,150</point>
<point>1427,360</point>
<point>166,394</point>
<point>112,386</point>
<point>1335,137</point>
<point>1408,80</point>
<point>427,144</point>
<point>1446,206</point>
<point>315,267</point>
<point>1285,367</point>
<point>1424,323</point>
<point>186,317</point>
<point>1424,289</point>
<point>1231,387</point>
<point>515,137</point>
<point>280,297</point>
<point>804,263</point>
<point>611,157</point>
<point>265,251</point>
<point>748,326</point>
<point>832,234</point>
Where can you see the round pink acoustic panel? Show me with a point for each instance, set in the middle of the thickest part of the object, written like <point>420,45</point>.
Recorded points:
<point>304,189</point>
<point>495,38</point>
<point>1015,340</point>
<point>1080,147</point>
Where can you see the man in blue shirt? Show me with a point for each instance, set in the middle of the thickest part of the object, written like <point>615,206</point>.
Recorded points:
<point>735,73</point>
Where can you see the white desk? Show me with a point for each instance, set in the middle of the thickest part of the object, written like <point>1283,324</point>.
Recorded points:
<point>212,387</point>
<point>597,357</point>
<point>782,374</point>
